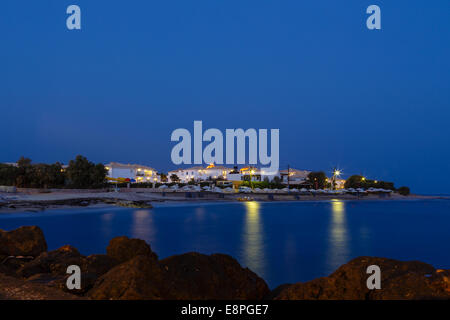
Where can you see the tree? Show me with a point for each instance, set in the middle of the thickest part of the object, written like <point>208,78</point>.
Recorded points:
<point>357,181</point>
<point>317,179</point>
<point>24,173</point>
<point>404,191</point>
<point>174,178</point>
<point>276,180</point>
<point>24,162</point>
<point>163,177</point>
<point>98,175</point>
<point>82,173</point>
<point>8,174</point>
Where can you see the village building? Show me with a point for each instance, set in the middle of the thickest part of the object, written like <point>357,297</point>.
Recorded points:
<point>133,173</point>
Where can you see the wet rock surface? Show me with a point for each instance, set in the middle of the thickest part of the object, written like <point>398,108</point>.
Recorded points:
<point>123,249</point>
<point>54,262</point>
<point>139,278</point>
<point>217,276</point>
<point>40,205</point>
<point>399,280</point>
<point>24,241</point>
<point>131,270</point>
<point>17,289</point>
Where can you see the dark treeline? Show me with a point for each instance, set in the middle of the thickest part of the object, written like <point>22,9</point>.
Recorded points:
<point>357,181</point>
<point>80,174</point>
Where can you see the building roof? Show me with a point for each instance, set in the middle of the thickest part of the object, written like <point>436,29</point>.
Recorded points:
<point>196,168</point>
<point>128,166</point>
<point>295,173</point>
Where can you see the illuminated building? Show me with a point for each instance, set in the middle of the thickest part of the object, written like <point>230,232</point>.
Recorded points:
<point>131,172</point>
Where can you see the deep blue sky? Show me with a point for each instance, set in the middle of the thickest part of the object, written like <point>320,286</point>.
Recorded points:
<point>371,102</point>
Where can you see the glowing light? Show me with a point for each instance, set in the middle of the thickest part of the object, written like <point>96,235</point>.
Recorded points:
<point>338,235</point>
<point>253,241</point>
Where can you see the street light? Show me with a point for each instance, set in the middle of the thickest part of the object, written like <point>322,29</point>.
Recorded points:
<point>336,174</point>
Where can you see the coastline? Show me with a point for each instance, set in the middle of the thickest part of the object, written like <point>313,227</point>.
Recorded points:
<point>38,200</point>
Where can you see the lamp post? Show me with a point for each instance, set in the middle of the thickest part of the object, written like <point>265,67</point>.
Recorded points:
<point>336,174</point>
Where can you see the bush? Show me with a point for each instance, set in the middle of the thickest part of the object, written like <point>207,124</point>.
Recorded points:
<point>404,191</point>
<point>317,179</point>
<point>357,181</point>
<point>83,174</point>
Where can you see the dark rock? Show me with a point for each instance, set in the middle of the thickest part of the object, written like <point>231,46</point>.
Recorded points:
<point>93,267</point>
<point>24,241</point>
<point>399,280</point>
<point>14,263</point>
<point>51,268</point>
<point>138,278</point>
<point>18,289</point>
<point>123,249</point>
<point>188,276</point>
<point>45,278</point>
<point>7,271</point>
<point>141,204</point>
<point>99,264</point>
<point>217,276</point>
<point>54,262</point>
<point>60,282</point>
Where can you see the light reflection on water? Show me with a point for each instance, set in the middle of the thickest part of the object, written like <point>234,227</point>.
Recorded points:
<point>142,227</point>
<point>338,250</point>
<point>106,225</point>
<point>252,239</point>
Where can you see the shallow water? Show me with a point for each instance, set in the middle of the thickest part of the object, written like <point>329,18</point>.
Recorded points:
<point>281,242</point>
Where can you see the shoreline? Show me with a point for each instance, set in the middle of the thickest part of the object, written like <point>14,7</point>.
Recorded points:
<point>38,201</point>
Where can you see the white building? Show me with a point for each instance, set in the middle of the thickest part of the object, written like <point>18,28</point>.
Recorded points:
<point>13,164</point>
<point>251,174</point>
<point>295,176</point>
<point>131,172</point>
<point>199,173</point>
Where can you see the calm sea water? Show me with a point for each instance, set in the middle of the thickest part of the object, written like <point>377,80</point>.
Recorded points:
<point>281,242</point>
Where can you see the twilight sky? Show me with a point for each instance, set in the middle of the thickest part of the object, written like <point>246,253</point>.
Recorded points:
<point>369,102</point>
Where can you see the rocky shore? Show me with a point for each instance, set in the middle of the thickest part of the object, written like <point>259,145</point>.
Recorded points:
<point>131,270</point>
<point>36,200</point>
<point>41,205</point>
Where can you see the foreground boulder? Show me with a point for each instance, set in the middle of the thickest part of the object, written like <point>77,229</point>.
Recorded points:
<point>131,270</point>
<point>51,268</point>
<point>138,278</point>
<point>18,289</point>
<point>24,241</point>
<point>217,276</point>
<point>123,249</point>
<point>54,262</point>
<point>399,280</point>
<point>188,276</point>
